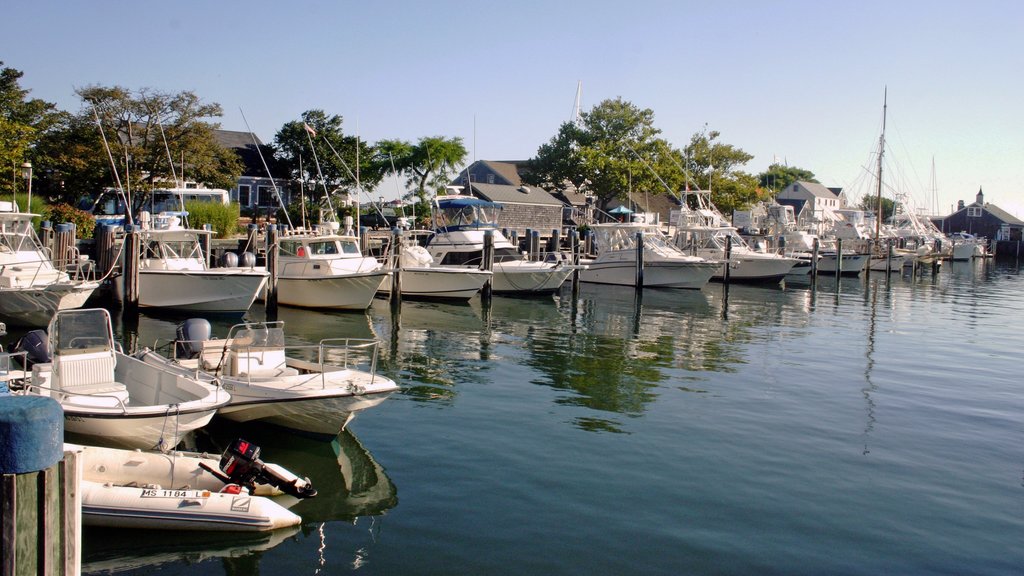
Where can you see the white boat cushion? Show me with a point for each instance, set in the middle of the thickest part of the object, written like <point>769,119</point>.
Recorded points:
<point>90,373</point>
<point>261,363</point>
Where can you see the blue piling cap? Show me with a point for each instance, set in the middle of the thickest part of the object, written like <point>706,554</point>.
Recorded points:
<point>31,434</point>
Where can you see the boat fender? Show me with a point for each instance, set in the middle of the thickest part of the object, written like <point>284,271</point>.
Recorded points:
<point>189,337</point>
<point>247,260</point>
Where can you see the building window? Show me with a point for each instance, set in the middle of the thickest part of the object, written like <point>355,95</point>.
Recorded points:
<point>490,178</point>
<point>265,196</point>
<point>974,211</point>
<point>243,195</point>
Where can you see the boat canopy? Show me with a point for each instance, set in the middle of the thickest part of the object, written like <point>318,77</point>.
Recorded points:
<point>82,330</point>
<point>465,212</point>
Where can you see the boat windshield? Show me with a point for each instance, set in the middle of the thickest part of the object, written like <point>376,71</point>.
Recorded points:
<point>270,335</point>
<point>468,213</point>
<point>77,331</point>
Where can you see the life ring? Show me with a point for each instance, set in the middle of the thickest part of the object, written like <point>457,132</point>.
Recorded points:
<point>301,253</point>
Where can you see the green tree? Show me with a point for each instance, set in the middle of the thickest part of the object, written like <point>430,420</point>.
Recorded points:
<point>614,149</point>
<point>23,121</point>
<point>869,203</point>
<point>712,165</point>
<point>147,130</point>
<point>429,165</point>
<point>777,177</point>
<point>336,154</point>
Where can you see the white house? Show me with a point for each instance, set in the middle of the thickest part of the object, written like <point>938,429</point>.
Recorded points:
<point>812,202</point>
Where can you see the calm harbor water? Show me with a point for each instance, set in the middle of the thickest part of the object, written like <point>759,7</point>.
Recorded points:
<point>861,428</point>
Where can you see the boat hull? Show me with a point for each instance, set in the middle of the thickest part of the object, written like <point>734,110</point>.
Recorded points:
<point>35,306</point>
<point>657,274</point>
<point>348,292</point>
<point>170,509</point>
<point>757,269</point>
<point>219,290</point>
<point>515,278</point>
<point>440,283</point>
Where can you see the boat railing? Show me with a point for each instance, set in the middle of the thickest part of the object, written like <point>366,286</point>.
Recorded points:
<point>60,394</point>
<point>12,369</point>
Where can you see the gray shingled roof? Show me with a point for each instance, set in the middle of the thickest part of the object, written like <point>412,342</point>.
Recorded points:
<point>507,170</point>
<point>506,194</point>
<point>1003,215</point>
<point>818,190</point>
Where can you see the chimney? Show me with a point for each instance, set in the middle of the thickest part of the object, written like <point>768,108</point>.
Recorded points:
<point>980,198</point>
<point>960,205</point>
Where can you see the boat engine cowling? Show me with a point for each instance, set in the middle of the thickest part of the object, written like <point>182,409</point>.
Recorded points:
<point>241,465</point>
<point>247,260</point>
<point>36,346</point>
<point>189,338</point>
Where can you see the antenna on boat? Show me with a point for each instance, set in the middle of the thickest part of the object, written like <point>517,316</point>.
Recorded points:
<point>310,132</point>
<point>255,143</point>
<point>302,192</point>
<point>113,165</point>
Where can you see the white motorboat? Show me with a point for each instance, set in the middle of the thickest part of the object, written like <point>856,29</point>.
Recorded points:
<point>174,273</point>
<point>186,491</point>
<point>664,265</point>
<point>702,231</point>
<point>32,289</point>
<point>315,388</point>
<point>460,225</point>
<point>109,396</point>
<point>327,270</point>
<point>422,278</point>
<point>967,246</point>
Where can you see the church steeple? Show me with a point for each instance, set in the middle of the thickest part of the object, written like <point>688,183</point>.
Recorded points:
<point>980,198</point>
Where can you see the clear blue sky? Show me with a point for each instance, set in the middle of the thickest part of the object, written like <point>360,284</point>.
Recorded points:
<point>801,81</point>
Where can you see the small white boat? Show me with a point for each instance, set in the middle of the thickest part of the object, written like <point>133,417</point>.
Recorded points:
<point>32,289</point>
<point>110,396</point>
<point>460,225</point>
<point>174,274</point>
<point>967,246</point>
<point>319,392</point>
<point>185,491</point>
<point>422,278</point>
<point>665,266</point>
<point>327,270</point>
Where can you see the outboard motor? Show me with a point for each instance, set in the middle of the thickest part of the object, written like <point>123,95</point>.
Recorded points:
<point>36,347</point>
<point>247,260</point>
<point>229,260</point>
<point>189,338</point>
<point>241,465</point>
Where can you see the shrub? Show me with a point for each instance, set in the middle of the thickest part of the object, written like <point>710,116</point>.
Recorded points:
<point>223,218</point>
<point>84,222</point>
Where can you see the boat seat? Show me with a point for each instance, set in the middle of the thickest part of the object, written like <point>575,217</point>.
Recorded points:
<point>89,373</point>
<point>261,363</point>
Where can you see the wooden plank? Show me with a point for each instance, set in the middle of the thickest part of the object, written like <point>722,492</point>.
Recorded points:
<point>10,523</point>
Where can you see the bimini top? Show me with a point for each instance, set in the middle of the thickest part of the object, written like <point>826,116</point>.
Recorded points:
<point>464,212</point>
<point>464,201</point>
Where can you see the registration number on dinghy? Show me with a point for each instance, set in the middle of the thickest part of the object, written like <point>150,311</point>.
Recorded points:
<point>161,493</point>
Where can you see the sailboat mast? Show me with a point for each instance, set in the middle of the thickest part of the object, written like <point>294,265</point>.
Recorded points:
<point>881,152</point>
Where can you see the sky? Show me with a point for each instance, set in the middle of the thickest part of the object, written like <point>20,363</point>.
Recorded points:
<point>797,82</point>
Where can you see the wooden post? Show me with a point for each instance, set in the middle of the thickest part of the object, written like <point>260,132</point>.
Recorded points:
<point>250,244</point>
<point>935,261</point>
<point>814,258</point>
<point>839,258</point>
<point>364,240</point>
<point>873,248</point>
<point>396,273</point>
<point>639,281</point>
<point>728,262</point>
<point>574,243</point>
<point>529,243</point>
<point>46,233</point>
<point>556,241</point>
<point>105,248</point>
<point>38,524</point>
<point>130,269</point>
<point>273,248</point>
<point>888,258</point>
<point>488,264</point>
